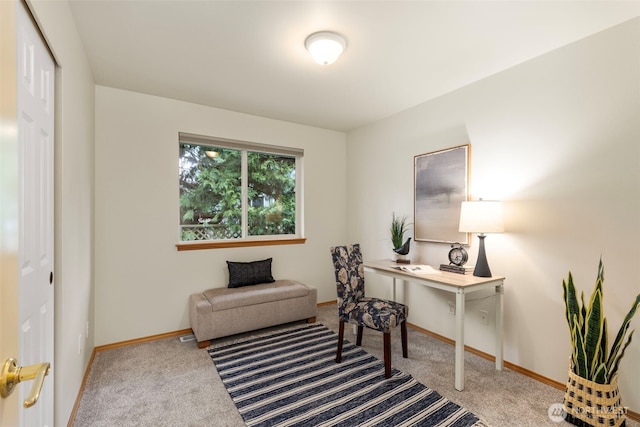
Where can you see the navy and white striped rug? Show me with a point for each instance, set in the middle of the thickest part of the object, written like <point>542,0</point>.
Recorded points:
<point>290,378</point>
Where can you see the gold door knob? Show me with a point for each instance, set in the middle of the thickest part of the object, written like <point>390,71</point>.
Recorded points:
<point>12,374</point>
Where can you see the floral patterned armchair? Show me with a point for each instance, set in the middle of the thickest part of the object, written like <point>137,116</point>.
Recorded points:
<point>353,307</point>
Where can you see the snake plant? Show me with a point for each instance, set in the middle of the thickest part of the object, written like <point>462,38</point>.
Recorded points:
<point>592,358</point>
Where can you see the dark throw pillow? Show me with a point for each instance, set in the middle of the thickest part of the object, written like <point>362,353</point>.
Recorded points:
<point>249,273</point>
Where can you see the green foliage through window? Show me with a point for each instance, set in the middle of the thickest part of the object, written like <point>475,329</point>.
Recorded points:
<point>211,188</point>
<point>272,194</point>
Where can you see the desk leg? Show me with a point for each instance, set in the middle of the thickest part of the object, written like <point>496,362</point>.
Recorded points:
<point>459,359</point>
<point>394,290</point>
<point>499,326</point>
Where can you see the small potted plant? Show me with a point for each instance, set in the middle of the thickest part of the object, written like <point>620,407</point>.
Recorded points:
<point>591,397</point>
<point>398,227</point>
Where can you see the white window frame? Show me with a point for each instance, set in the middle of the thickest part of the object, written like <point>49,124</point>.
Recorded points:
<point>245,147</point>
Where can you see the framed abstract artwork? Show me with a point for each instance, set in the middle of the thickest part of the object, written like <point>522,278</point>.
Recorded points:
<point>441,185</point>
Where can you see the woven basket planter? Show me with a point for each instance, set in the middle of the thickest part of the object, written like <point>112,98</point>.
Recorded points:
<point>591,404</point>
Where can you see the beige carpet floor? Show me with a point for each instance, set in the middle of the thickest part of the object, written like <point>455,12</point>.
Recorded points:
<point>170,383</point>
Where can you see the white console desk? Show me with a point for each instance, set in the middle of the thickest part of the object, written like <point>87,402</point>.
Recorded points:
<point>460,284</point>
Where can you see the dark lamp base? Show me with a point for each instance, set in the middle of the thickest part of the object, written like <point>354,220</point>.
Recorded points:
<point>482,266</point>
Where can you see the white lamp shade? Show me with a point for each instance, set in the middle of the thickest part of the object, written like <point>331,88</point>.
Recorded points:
<point>481,216</point>
<point>325,47</point>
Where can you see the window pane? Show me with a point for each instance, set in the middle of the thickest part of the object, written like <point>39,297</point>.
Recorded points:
<point>210,193</point>
<point>271,194</point>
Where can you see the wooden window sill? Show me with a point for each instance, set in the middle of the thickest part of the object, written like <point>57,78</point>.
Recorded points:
<point>199,245</point>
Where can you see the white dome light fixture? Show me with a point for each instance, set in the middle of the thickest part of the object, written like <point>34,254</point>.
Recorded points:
<point>325,46</point>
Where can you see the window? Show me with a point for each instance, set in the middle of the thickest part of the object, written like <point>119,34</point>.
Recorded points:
<point>238,191</point>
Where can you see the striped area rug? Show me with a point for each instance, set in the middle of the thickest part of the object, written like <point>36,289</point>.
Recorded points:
<point>290,378</point>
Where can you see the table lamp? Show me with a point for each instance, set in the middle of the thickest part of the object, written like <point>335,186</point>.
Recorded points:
<point>481,216</point>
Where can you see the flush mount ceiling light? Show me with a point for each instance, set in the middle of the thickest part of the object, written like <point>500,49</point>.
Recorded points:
<point>325,46</point>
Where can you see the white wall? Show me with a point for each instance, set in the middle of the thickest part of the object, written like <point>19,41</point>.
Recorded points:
<point>142,281</point>
<point>73,203</point>
<point>557,139</point>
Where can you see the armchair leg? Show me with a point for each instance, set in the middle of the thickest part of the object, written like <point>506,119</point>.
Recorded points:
<point>359,336</point>
<point>340,338</point>
<point>403,332</point>
<point>387,354</point>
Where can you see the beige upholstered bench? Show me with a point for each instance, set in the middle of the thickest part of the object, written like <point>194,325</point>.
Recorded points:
<point>220,312</point>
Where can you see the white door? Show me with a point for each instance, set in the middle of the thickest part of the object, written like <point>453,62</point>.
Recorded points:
<point>35,254</point>
<point>34,79</point>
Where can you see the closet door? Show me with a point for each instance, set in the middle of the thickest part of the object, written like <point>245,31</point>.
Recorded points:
<point>27,223</point>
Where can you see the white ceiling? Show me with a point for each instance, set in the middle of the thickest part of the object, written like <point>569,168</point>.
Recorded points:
<point>249,56</point>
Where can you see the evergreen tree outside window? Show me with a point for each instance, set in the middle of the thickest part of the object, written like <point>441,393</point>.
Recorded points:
<point>271,194</point>
<point>234,190</point>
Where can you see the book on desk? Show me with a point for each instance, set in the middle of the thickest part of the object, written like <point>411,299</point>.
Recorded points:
<point>460,269</point>
<point>417,269</point>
